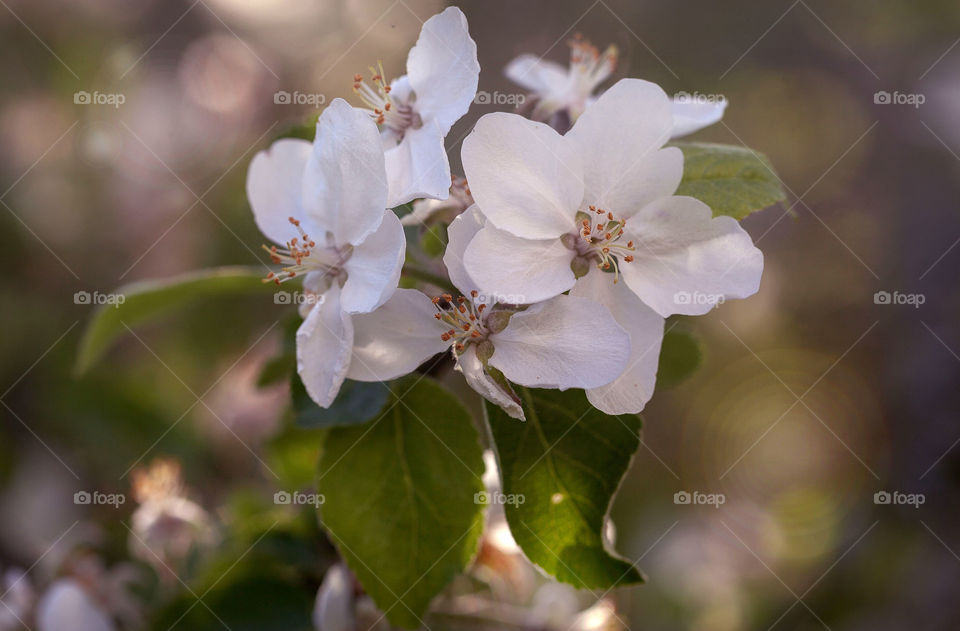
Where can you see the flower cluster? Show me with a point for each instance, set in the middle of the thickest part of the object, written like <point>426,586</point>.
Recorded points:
<point>568,249</point>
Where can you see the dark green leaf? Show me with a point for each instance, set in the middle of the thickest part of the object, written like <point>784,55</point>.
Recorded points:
<point>145,300</point>
<point>731,180</point>
<point>356,403</point>
<point>680,357</point>
<point>565,462</point>
<point>401,497</point>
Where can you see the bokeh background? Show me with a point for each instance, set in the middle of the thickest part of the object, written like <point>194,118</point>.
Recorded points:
<point>811,397</point>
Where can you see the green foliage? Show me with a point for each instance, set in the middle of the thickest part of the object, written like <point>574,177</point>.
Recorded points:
<point>680,356</point>
<point>731,180</point>
<point>356,403</point>
<point>400,497</point>
<point>563,466</point>
<point>145,300</point>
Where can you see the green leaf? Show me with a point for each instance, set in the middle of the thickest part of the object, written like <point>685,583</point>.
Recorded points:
<point>565,462</point>
<point>400,497</point>
<point>145,300</point>
<point>680,356</point>
<point>731,180</point>
<point>356,403</point>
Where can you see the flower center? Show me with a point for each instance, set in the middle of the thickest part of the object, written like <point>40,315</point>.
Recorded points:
<point>588,66</point>
<point>300,255</point>
<point>465,317</point>
<point>601,241</point>
<point>394,113</point>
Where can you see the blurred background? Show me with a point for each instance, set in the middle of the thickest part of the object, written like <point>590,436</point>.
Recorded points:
<point>813,396</point>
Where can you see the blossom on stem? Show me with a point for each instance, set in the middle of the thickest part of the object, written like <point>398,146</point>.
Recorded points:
<point>564,342</point>
<point>415,111</point>
<point>594,212</point>
<point>325,206</point>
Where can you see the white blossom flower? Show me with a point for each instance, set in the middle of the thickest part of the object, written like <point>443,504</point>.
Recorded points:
<point>565,342</point>
<point>562,94</point>
<point>17,600</point>
<point>415,111</point>
<point>326,204</point>
<point>585,210</point>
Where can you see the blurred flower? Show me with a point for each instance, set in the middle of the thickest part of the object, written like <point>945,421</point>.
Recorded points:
<point>16,600</point>
<point>167,527</point>
<point>336,190</point>
<point>447,210</point>
<point>417,110</point>
<point>562,94</point>
<point>67,605</point>
<point>333,610</point>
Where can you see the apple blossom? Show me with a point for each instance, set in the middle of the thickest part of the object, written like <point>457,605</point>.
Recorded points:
<point>415,111</point>
<point>424,210</point>
<point>582,211</point>
<point>326,204</point>
<point>562,94</point>
<point>564,342</point>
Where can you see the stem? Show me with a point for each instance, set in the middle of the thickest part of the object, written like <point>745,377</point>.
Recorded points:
<point>428,277</point>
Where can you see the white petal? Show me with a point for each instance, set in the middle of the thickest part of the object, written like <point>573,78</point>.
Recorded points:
<point>396,338</point>
<point>333,608</point>
<point>459,234</point>
<point>323,348</point>
<point>629,392</point>
<point>418,166</point>
<point>691,115</point>
<point>686,261</point>
<point>566,342</point>
<point>477,378</point>
<point>619,138</point>
<point>526,178</point>
<point>538,75</point>
<point>373,269</point>
<point>515,270</point>
<point>443,69</point>
<point>274,187</point>
<point>66,605</point>
<point>345,183</point>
